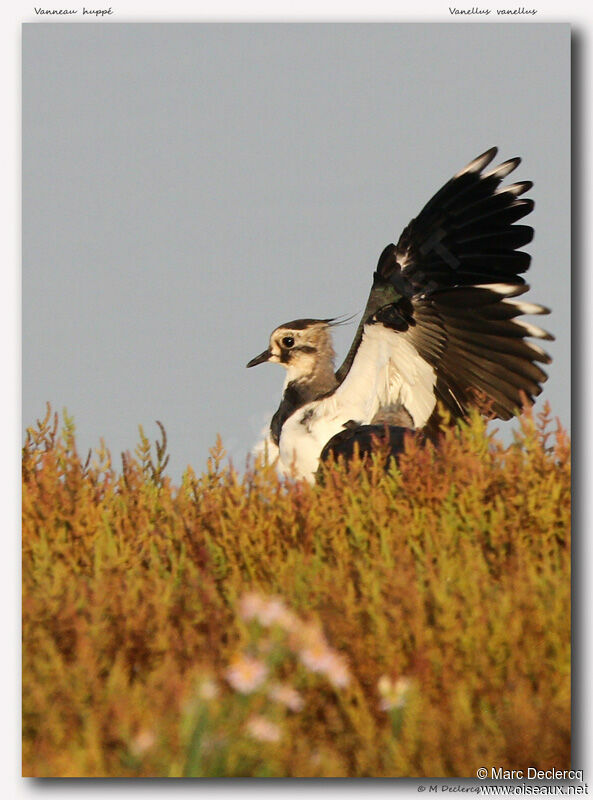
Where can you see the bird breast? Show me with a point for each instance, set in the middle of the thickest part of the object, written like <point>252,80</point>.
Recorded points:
<point>303,437</point>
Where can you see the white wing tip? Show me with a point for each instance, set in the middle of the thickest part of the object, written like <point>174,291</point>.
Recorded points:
<point>504,289</point>
<point>504,169</point>
<point>534,330</point>
<point>515,188</point>
<point>527,308</point>
<point>478,164</point>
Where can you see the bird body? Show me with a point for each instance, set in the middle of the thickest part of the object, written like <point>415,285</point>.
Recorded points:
<point>388,372</point>
<point>440,322</point>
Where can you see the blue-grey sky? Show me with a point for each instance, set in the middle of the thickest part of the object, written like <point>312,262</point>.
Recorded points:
<point>188,187</point>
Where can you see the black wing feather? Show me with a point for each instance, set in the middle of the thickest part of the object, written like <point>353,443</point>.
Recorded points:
<point>446,287</point>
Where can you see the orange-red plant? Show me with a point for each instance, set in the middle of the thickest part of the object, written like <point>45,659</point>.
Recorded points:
<point>441,589</point>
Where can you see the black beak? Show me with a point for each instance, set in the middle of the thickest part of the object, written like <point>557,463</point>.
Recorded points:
<point>260,359</point>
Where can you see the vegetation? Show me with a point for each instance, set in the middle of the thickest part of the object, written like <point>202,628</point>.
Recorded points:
<point>408,622</point>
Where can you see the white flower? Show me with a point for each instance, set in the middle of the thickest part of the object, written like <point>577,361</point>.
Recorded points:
<point>250,606</point>
<point>285,694</point>
<point>319,657</point>
<point>337,671</point>
<point>208,689</point>
<point>316,656</point>
<point>267,611</point>
<point>394,694</point>
<point>246,674</point>
<point>274,612</point>
<point>263,729</point>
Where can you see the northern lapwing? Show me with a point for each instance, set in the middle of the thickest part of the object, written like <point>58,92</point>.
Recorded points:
<point>441,321</point>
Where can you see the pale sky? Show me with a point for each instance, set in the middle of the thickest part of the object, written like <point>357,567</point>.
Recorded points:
<point>188,187</point>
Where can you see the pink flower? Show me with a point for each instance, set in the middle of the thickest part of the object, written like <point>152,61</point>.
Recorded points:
<point>274,612</point>
<point>337,671</point>
<point>267,611</point>
<point>250,606</point>
<point>319,657</point>
<point>143,741</point>
<point>246,674</point>
<point>263,729</point>
<point>285,694</point>
<point>316,656</point>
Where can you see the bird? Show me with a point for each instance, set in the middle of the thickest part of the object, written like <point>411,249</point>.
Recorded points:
<point>441,324</point>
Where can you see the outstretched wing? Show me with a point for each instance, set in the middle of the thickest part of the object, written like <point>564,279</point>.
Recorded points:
<point>466,234</point>
<point>441,319</point>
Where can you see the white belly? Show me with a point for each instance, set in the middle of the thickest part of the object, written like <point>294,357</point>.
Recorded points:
<point>303,437</point>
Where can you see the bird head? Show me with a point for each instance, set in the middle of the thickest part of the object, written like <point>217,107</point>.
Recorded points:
<point>303,347</point>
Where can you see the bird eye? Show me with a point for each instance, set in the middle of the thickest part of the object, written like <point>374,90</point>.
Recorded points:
<point>288,341</point>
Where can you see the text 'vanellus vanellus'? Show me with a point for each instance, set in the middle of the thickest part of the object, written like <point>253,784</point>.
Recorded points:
<point>440,323</point>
